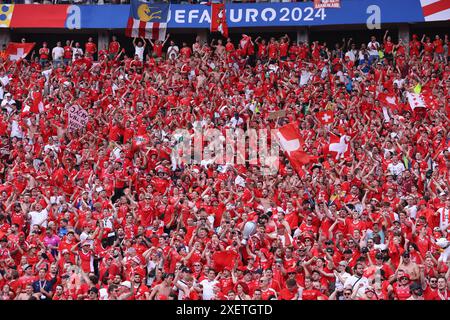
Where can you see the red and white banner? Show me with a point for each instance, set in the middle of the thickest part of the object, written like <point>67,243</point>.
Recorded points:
<point>389,101</point>
<point>148,30</point>
<point>435,10</point>
<point>421,100</point>
<point>219,19</point>
<point>18,50</point>
<point>339,146</point>
<point>319,4</point>
<point>292,142</point>
<point>325,117</point>
<point>78,118</point>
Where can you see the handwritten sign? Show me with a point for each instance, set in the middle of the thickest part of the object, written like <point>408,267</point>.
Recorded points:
<point>78,118</point>
<point>277,114</point>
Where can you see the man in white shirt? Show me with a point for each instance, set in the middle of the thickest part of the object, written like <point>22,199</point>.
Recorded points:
<point>444,214</point>
<point>373,46</point>
<point>77,52</point>
<point>173,51</point>
<point>57,54</point>
<point>351,54</point>
<point>40,215</point>
<point>357,281</point>
<point>236,120</point>
<point>396,167</point>
<point>139,48</point>
<point>4,81</point>
<point>208,285</point>
<point>8,102</point>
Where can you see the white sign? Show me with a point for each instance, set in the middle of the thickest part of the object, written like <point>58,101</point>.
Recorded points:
<point>78,118</point>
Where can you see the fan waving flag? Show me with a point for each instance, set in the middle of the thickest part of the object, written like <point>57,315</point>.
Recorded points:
<point>148,20</point>
<point>422,100</point>
<point>292,142</point>
<point>224,259</point>
<point>19,50</point>
<point>339,146</point>
<point>389,101</point>
<point>435,10</point>
<point>219,19</point>
<point>325,117</point>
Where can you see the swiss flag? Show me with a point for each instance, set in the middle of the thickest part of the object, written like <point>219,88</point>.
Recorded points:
<point>325,117</point>
<point>18,50</point>
<point>340,146</point>
<point>387,100</point>
<point>222,259</point>
<point>291,142</point>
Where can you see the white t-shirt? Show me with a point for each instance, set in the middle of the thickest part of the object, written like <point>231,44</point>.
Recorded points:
<point>373,48</point>
<point>7,102</point>
<point>4,82</point>
<point>16,130</point>
<point>57,53</point>
<point>344,277</point>
<point>208,293</point>
<point>140,52</point>
<point>396,169</point>
<point>39,218</point>
<point>172,52</point>
<point>76,51</point>
<point>351,55</point>
<point>235,122</point>
<point>354,281</point>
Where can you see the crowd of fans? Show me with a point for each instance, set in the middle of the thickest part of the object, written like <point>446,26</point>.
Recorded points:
<point>93,214</point>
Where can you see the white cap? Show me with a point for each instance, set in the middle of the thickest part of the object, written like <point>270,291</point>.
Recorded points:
<point>126,284</point>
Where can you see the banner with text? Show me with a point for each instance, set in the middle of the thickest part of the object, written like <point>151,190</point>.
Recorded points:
<point>78,118</point>
<point>319,4</point>
<point>238,15</point>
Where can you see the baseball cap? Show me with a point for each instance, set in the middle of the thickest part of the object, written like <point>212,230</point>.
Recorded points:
<point>26,266</point>
<point>187,270</point>
<point>126,284</point>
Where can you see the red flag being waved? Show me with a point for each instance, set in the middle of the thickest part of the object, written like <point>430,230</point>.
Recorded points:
<point>389,101</point>
<point>219,19</point>
<point>292,142</point>
<point>421,100</point>
<point>224,259</point>
<point>325,117</point>
<point>18,50</point>
<point>339,146</point>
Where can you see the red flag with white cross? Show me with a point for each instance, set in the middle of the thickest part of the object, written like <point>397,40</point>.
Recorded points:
<point>325,117</point>
<point>17,51</point>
